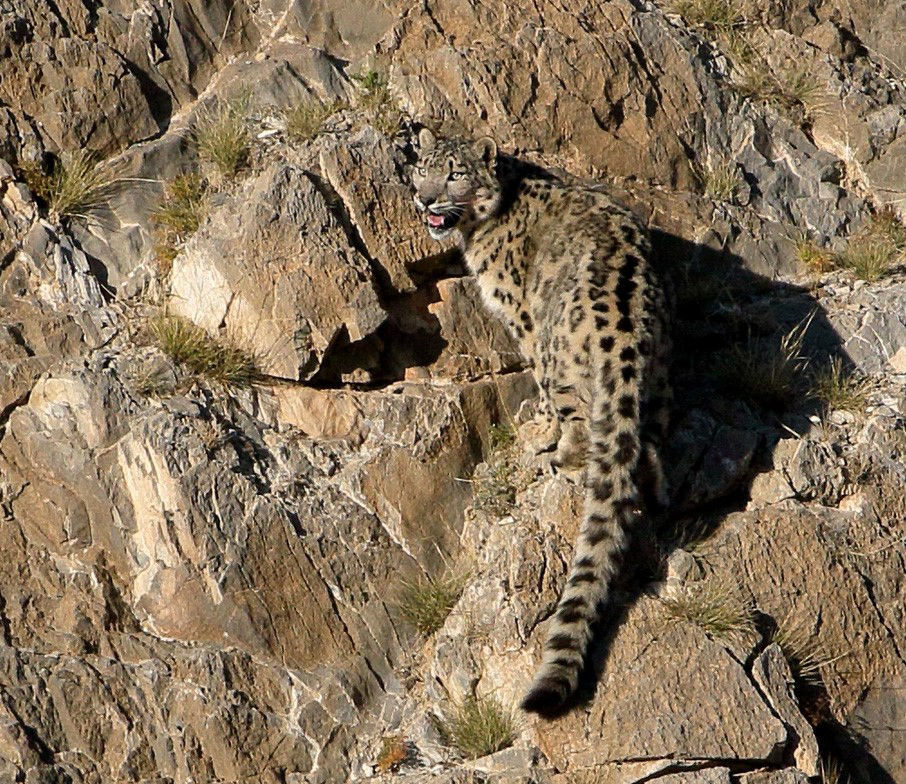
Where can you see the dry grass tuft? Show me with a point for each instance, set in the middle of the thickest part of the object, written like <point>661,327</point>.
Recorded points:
<point>205,356</point>
<point>223,138</point>
<point>832,772</point>
<point>718,609</point>
<point>77,187</point>
<point>805,653</point>
<point>178,216</point>
<point>766,372</point>
<point>802,89</point>
<point>305,120</point>
<point>886,225</point>
<point>427,602</point>
<point>838,388</point>
<point>480,726</point>
<point>699,286</point>
<point>796,91</point>
<point>152,380</point>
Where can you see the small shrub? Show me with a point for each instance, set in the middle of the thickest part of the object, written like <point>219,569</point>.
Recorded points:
<point>305,120</point>
<point>497,483</point>
<point>76,187</point>
<point>766,372</point>
<point>716,608</point>
<point>427,602</point>
<point>394,752</point>
<point>178,216</point>
<point>495,490</point>
<point>840,389</point>
<point>721,181</point>
<point>203,355</point>
<point>813,257</point>
<point>501,437</point>
<point>222,137</point>
<point>480,726</point>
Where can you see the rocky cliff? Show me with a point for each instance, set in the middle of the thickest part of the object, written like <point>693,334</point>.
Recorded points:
<point>269,510</point>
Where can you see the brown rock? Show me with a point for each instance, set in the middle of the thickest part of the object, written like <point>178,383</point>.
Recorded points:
<point>274,268</point>
<point>367,172</point>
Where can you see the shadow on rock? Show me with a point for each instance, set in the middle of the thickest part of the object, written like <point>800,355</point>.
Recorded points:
<point>746,352</point>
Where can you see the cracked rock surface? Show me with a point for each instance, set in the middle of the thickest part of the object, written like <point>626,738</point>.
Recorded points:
<point>204,582</point>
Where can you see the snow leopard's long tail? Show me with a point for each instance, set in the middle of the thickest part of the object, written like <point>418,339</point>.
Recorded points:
<point>611,508</point>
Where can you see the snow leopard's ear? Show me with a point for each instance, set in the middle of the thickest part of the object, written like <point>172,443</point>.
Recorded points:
<point>426,140</point>
<point>486,149</point>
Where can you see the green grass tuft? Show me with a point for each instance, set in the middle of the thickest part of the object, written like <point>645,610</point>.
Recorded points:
<point>205,356</point>
<point>305,120</point>
<point>718,609</point>
<point>721,181</point>
<point>480,726</point>
<point>178,216</point>
<point>868,258</point>
<point>712,15</point>
<point>377,102</point>
<point>76,187</point>
<point>427,602</point>
<point>223,138</point>
<point>839,389</point>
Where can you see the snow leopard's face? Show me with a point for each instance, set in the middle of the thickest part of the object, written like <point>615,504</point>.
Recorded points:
<point>455,183</point>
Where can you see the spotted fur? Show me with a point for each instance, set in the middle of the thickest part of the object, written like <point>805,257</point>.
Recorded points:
<point>567,269</point>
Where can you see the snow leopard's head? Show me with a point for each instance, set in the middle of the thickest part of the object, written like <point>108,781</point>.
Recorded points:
<point>455,183</point>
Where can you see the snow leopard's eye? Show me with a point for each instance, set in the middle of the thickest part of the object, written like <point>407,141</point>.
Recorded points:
<point>457,175</point>
<point>421,171</point>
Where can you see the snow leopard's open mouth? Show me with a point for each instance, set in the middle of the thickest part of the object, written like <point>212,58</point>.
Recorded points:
<point>442,222</point>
